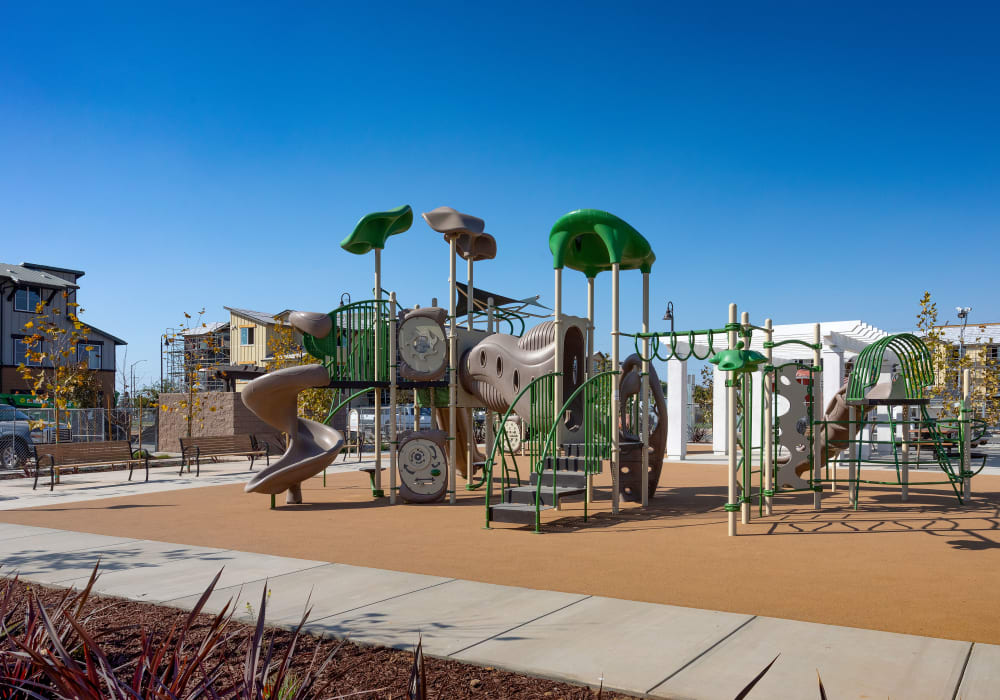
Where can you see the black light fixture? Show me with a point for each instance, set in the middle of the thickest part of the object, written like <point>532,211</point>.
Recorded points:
<point>963,313</point>
<point>669,315</point>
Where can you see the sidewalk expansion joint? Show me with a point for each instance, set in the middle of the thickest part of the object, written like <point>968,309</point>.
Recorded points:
<point>702,653</point>
<point>526,622</point>
<point>961,675</point>
<point>392,597</point>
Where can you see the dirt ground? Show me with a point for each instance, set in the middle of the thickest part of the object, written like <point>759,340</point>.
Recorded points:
<point>361,670</point>
<point>928,567</point>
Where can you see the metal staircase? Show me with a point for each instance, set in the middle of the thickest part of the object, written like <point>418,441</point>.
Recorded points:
<point>557,471</point>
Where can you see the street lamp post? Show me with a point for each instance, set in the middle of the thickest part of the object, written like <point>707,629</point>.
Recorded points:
<point>963,314</point>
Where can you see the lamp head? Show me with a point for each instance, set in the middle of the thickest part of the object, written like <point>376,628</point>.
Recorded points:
<point>668,315</point>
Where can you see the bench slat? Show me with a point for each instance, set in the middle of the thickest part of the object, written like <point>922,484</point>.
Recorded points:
<point>81,453</point>
<point>208,445</point>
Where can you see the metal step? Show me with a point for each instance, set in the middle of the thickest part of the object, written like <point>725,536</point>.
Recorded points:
<point>571,464</point>
<point>574,480</point>
<point>526,494</point>
<point>579,449</point>
<point>519,513</point>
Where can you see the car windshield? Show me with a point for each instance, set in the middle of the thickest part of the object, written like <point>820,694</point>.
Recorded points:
<point>9,413</point>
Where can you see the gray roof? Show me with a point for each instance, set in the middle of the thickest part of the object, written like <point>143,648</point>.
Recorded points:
<point>21,274</point>
<point>53,268</point>
<point>264,319</point>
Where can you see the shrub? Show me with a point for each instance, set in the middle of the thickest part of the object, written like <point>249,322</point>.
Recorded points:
<point>51,654</point>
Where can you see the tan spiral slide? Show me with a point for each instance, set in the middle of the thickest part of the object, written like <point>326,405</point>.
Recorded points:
<point>312,446</point>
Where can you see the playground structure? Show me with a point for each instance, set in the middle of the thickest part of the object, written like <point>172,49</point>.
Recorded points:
<point>546,399</point>
<point>801,451</point>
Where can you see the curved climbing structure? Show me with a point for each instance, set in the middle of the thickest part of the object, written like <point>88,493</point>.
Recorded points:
<point>630,482</point>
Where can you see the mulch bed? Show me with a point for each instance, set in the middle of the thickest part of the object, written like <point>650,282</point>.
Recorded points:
<point>118,625</point>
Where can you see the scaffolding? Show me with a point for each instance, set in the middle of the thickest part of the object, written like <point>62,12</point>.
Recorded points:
<point>187,354</point>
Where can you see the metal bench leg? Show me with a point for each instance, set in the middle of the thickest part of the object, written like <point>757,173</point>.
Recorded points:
<point>130,465</point>
<point>251,462</point>
<point>197,461</point>
<point>52,476</point>
<point>146,460</point>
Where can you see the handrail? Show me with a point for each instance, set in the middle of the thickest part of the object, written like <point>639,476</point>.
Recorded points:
<point>488,467</point>
<point>333,411</point>
<point>548,442</point>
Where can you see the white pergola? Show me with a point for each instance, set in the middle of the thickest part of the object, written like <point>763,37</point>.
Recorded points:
<point>842,341</point>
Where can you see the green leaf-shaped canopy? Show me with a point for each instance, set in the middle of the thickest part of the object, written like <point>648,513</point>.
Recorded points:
<point>373,229</point>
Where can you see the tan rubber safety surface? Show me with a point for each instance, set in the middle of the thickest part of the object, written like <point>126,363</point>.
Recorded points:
<point>928,567</point>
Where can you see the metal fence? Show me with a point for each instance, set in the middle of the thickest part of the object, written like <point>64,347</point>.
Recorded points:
<point>137,425</point>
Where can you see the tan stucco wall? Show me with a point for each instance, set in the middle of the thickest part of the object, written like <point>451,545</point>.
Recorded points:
<point>229,417</point>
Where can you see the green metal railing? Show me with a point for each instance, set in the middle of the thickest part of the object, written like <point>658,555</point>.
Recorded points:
<point>540,392</point>
<point>348,351</point>
<point>672,343</point>
<point>596,435</point>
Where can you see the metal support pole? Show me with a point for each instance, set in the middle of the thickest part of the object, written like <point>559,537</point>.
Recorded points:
<point>393,320</point>
<point>747,436</point>
<point>452,375</point>
<point>378,360</point>
<point>966,434</point>
<point>904,476</point>
<point>490,415</point>
<point>731,428</point>
<point>558,357</point>
<point>644,400</point>
<point>817,404</point>
<point>588,373</point>
<point>616,446</point>
<point>767,387</point>
<point>853,456</point>
<point>470,456</point>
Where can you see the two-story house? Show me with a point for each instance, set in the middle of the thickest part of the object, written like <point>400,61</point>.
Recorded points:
<point>22,288</point>
<point>250,332</point>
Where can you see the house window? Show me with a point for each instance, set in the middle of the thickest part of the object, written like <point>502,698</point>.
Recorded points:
<point>246,335</point>
<point>27,298</point>
<point>92,356</point>
<point>21,352</point>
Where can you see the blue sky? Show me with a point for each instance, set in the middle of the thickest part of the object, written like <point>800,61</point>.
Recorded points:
<point>808,161</point>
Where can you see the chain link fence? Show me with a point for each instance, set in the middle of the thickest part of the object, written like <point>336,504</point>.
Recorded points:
<point>21,428</point>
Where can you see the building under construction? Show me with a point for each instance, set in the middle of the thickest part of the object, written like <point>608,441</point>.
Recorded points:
<point>187,354</point>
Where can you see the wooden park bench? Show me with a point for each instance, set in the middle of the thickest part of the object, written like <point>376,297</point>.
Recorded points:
<point>73,455</point>
<point>221,446</point>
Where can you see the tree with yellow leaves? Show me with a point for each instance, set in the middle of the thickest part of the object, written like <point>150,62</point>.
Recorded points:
<point>284,349</point>
<point>949,362</point>
<point>53,344</point>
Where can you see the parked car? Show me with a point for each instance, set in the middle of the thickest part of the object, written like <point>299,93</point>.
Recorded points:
<point>363,420</point>
<point>17,438</point>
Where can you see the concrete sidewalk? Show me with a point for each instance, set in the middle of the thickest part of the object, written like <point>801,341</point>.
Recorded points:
<point>661,651</point>
<point>88,486</point>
